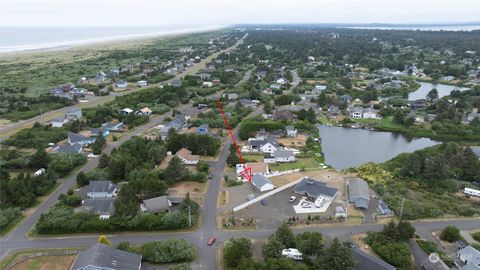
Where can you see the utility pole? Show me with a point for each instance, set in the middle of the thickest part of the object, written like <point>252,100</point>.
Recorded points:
<point>401,208</point>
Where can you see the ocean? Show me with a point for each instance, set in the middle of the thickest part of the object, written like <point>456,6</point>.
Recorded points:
<point>20,39</point>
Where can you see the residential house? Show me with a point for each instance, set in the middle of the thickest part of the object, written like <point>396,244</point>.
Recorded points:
<point>261,74</point>
<point>470,257</point>
<point>146,111</point>
<point>282,80</point>
<point>370,113</point>
<point>472,116</point>
<point>261,182</point>
<point>82,80</point>
<point>316,190</point>
<point>268,91</point>
<point>58,122</point>
<point>203,129</point>
<point>257,167</point>
<point>268,158</point>
<point>178,123</point>
<point>291,131</point>
<point>275,86</point>
<point>101,189</point>
<point>112,127</point>
<point>280,115</point>
<point>333,111</point>
<point>347,99</point>
<point>121,84</point>
<point>365,261</point>
<point>74,138</point>
<point>68,149</point>
<point>319,89</point>
<point>447,78</point>
<point>114,72</point>
<point>284,156</point>
<point>102,257</point>
<point>126,111</point>
<point>216,82</point>
<point>418,104</point>
<point>356,112</point>
<point>156,205</point>
<point>276,134</point>
<point>142,83</point>
<point>230,96</point>
<point>264,145</point>
<point>104,207</point>
<point>247,102</point>
<point>359,193</point>
<point>74,114</point>
<point>186,156</point>
<point>100,77</point>
<point>207,84</point>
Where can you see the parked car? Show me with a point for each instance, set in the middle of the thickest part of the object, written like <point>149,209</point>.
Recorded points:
<point>292,199</point>
<point>39,172</point>
<point>211,240</point>
<point>210,176</point>
<point>91,155</point>
<point>306,205</point>
<point>263,202</point>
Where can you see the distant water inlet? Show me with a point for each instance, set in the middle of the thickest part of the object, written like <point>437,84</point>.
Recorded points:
<point>344,147</point>
<point>443,90</point>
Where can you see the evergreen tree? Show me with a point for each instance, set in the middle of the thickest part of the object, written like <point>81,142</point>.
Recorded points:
<point>272,248</point>
<point>285,235</point>
<point>176,170</point>
<point>39,159</point>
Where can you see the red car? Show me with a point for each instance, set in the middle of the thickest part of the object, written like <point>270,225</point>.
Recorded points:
<point>211,240</point>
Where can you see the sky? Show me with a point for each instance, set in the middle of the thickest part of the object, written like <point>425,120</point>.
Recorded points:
<point>227,12</point>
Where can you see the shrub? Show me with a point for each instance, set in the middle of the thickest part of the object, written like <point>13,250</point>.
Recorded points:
<point>450,234</point>
<point>476,236</point>
<point>7,216</point>
<point>168,251</point>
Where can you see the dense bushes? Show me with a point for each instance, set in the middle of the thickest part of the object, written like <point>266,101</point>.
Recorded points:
<point>36,136</point>
<point>168,251</point>
<point>391,244</point>
<point>198,144</point>
<point>450,234</point>
<point>249,127</point>
<point>63,164</point>
<point>7,216</point>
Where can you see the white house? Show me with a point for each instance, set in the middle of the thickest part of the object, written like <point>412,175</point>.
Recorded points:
<point>126,111</point>
<point>282,80</point>
<point>370,113</point>
<point>471,192</point>
<point>291,131</point>
<point>58,122</point>
<point>264,145</point>
<point>292,253</point>
<point>207,84</point>
<point>121,84</point>
<point>356,112</point>
<point>142,83</point>
<point>146,111</point>
<point>186,156</point>
<point>284,156</point>
<point>262,183</point>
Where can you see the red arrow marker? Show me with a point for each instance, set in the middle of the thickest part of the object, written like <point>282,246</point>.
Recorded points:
<point>247,172</point>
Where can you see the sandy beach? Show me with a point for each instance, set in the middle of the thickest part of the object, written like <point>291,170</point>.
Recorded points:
<point>103,41</point>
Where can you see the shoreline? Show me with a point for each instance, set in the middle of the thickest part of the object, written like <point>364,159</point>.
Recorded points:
<point>66,45</point>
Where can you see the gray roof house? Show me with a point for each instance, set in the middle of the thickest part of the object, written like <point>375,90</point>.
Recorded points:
<point>247,102</point>
<point>74,114</point>
<point>282,155</point>
<point>333,111</point>
<point>367,262</point>
<point>470,257</point>
<point>74,138</point>
<point>103,257</point>
<point>262,183</point>
<point>156,205</point>
<point>113,126</point>
<point>314,189</point>
<point>383,209</point>
<point>103,207</point>
<point>101,189</point>
<point>291,131</point>
<point>69,149</point>
<point>178,123</point>
<point>359,193</point>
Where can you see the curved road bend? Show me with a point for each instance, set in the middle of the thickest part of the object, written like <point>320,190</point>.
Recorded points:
<point>7,131</point>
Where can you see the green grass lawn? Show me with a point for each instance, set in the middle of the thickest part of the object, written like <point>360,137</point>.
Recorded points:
<point>306,163</point>
<point>254,158</point>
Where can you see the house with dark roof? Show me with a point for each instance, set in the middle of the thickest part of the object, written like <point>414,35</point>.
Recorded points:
<point>367,262</point>
<point>279,115</point>
<point>333,111</point>
<point>315,189</point>
<point>247,102</point>
<point>101,189</point>
<point>103,257</point>
<point>383,209</point>
<point>74,114</point>
<point>68,149</point>
<point>103,207</point>
<point>74,138</point>
<point>156,205</point>
<point>113,127</point>
<point>262,183</point>
<point>359,193</point>
<point>264,145</point>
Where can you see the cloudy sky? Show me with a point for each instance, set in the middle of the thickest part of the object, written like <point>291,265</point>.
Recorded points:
<point>163,12</point>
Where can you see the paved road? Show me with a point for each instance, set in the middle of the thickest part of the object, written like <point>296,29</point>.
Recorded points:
<point>7,131</point>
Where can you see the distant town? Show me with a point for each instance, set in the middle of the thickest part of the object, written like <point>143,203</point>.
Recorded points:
<point>363,147</point>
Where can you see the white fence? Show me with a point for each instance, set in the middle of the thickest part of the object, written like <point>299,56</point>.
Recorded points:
<point>273,174</point>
